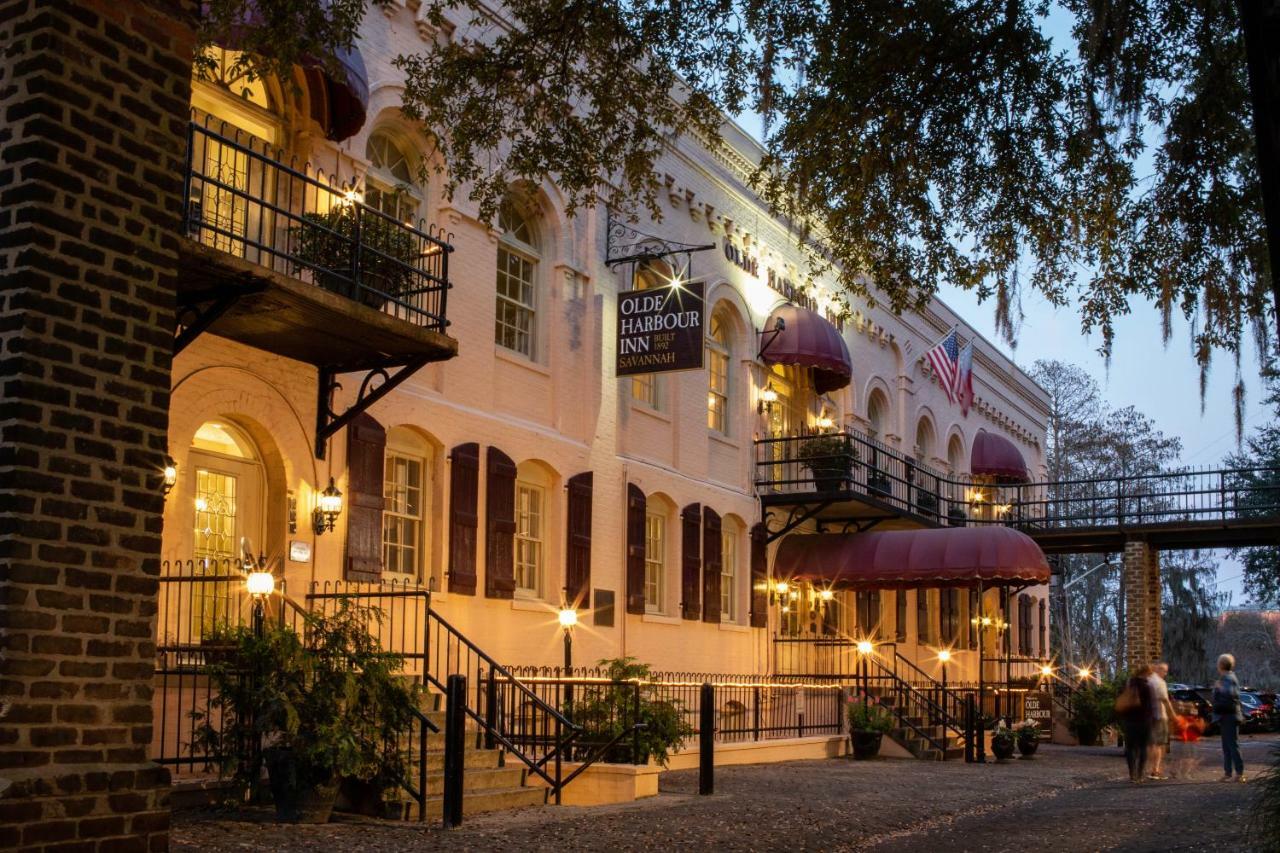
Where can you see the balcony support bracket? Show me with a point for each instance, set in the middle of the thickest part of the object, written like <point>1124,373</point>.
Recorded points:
<point>377,383</point>
<point>199,309</point>
<point>796,517</point>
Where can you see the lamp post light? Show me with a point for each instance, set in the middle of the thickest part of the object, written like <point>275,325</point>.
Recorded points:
<point>568,618</point>
<point>944,657</point>
<point>259,583</point>
<point>865,647</point>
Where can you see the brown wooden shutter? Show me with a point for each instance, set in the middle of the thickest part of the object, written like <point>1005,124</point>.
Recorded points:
<point>759,577</point>
<point>635,548</point>
<point>366,461</point>
<point>691,561</point>
<point>500,525</point>
<point>577,560</point>
<point>464,500</point>
<point>712,565</point>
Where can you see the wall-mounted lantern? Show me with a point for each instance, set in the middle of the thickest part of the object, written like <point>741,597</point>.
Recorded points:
<point>768,396</point>
<point>169,475</point>
<point>328,508</point>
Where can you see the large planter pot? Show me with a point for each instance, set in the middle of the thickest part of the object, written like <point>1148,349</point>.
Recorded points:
<point>1028,745</point>
<point>1087,736</point>
<point>879,485</point>
<point>865,744</point>
<point>296,798</point>
<point>829,479</point>
<point>1002,748</point>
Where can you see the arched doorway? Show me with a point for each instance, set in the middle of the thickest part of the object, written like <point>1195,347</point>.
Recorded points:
<point>226,492</point>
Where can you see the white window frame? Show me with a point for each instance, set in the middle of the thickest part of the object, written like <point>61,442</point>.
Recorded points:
<point>512,245</point>
<point>381,178</point>
<point>728,574</point>
<point>655,561</point>
<point>718,356</point>
<point>530,539</point>
<point>389,514</point>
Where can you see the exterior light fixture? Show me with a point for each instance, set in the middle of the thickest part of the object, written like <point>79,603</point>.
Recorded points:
<point>781,587</point>
<point>170,475</point>
<point>824,420</point>
<point>865,647</point>
<point>328,507</point>
<point>1046,671</point>
<point>827,595</point>
<point>260,583</point>
<point>944,655</point>
<point>568,617</point>
<point>1085,673</point>
<point>768,396</point>
<point>352,196</point>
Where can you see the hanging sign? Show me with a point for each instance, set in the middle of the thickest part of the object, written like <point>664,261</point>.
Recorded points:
<point>1038,706</point>
<point>661,329</point>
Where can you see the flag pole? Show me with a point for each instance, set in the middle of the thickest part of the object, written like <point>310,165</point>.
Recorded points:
<point>954,328</point>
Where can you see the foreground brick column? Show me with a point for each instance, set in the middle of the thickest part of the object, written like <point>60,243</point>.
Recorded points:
<point>93,107</point>
<point>1141,604</point>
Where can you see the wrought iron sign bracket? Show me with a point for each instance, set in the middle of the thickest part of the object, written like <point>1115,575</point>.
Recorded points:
<point>200,309</point>
<point>377,383</point>
<point>779,326</point>
<point>627,245</point>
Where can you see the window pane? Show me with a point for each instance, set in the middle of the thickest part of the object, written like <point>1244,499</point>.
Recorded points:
<point>402,516</point>
<point>728,565</point>
<point>529,538</point>
<point>515,308</point>
<point>654,560</point>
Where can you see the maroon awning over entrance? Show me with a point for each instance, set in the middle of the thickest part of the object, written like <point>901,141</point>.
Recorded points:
<point>809,340</point>
<point>996,456</point>
<point>338,90</point>
<point>949,556</point>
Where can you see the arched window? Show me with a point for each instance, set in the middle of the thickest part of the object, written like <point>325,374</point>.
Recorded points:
<point>389,184</point>
<point>955,455</point>
<point>877,414</point>
<point>924,441</point>
<point>718,361</point>
<point>516,320</point>
<point>406,491</point>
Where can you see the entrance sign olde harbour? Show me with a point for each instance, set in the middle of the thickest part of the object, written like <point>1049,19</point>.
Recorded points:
<point>661,329</point>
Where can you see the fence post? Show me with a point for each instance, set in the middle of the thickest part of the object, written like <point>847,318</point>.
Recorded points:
<point>755,714</point>
<point>635,732</point>
<point>707,740</point>
<point>968,730</point>
<point>490,710</point>
<point>454,750</point>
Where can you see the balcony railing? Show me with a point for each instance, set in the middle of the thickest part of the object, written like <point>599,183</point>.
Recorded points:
<point>850,465</point>
<point>241,198</point>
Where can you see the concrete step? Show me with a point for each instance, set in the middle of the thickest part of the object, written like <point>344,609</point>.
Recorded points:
<point>490,801</point>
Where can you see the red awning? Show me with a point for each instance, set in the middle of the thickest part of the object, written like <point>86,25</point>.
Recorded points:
<point>949,556</point>
<point>338,90</point>
<point>809,340</point>
<point>996,456</point>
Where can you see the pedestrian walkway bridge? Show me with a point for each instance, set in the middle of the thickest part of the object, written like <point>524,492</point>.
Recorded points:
<point>851,482</point>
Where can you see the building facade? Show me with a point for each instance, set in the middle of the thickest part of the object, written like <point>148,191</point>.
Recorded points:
<point>523,475</point>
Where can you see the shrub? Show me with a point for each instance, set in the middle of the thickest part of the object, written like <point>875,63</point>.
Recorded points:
<point>1093,708</point>
<point>325,244</point>
<point>611,710</point>
<point>867,716</point>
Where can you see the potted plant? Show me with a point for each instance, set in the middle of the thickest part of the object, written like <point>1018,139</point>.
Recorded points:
<point>326,243</point>
<point>1092,710</point>
<point>878,482</point>
<point>956,517</point>
<point>1003,741</point>
<point>869,722</point>
<point>314,711</point>
<point>829,458</point>
<point>612,709</point>
<point>926,502</point>
<point>1028,735</point>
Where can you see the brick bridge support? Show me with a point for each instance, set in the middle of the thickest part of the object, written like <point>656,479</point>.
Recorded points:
<point>1141,604</point>
<point>93,109</point>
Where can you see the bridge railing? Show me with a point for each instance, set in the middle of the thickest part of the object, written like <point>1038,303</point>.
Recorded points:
<point>850,465</point>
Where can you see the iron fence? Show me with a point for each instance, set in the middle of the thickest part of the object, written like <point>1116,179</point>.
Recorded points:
<point>249,200</point>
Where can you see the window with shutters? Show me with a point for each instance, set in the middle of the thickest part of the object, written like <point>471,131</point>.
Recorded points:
<point>728,573</point>
<point>655,561</point>
<point>529,539</point>
<point>900,616</point>
<point>867,603</point>
<point>718,360</point>
<point>1024,625</point>
<point>403,513</point>
<point>924,618</point>
<point>975,616</point>
<point>1044,636</point>
<point>949,616</point>
<point>515,325</point>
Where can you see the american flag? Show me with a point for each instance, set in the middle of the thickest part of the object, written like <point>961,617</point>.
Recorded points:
<point>944,359</point>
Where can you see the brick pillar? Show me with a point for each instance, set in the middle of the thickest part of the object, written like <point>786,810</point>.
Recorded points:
<point>93,110</point>
<point>1142,604</point>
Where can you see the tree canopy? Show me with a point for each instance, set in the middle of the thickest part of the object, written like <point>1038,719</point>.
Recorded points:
<point>1097,152</point>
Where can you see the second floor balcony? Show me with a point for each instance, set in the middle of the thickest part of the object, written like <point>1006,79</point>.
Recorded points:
<point>287,261</point>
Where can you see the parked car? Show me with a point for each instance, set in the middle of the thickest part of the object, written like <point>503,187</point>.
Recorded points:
<point>1195,701</point>
<point>1269,700</point>
<point>1257,715</point>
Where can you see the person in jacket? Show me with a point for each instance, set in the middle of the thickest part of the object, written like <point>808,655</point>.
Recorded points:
<point>1229,714</point>
<point>1134,708</point>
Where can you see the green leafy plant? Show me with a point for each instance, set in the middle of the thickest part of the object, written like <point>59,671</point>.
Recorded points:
<point>826,451</point>
<point>868,717</point>
<point>325,243</point>
<point>1003,739</point>
<point>327,704</point>
<point>1093,708</point>
<point>609,710</point>
<point>1027,729</point>
<point>1264,820</point>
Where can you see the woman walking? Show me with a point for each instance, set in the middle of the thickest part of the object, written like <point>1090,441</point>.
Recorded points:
<point>1134,706</point>
<point>1227,711</point>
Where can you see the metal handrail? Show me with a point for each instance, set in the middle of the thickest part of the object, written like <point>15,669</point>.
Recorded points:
<point>899,686</point>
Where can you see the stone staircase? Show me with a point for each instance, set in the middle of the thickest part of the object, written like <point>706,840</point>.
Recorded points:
<point>489,782</point>
<point>912,732</point>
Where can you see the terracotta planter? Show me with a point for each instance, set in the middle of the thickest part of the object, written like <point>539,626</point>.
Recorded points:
<point>1002,748</point>
<point>866,745</point>
<point>1028,746</point>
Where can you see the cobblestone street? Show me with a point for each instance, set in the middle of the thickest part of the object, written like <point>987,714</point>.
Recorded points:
<point>1067,799</point>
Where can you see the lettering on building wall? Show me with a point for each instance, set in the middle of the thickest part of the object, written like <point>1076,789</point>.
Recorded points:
<point>661,329</point>
<point>778,281</point>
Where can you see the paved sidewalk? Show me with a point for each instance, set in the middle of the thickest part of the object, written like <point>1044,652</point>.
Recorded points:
<point>1067,799</point>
